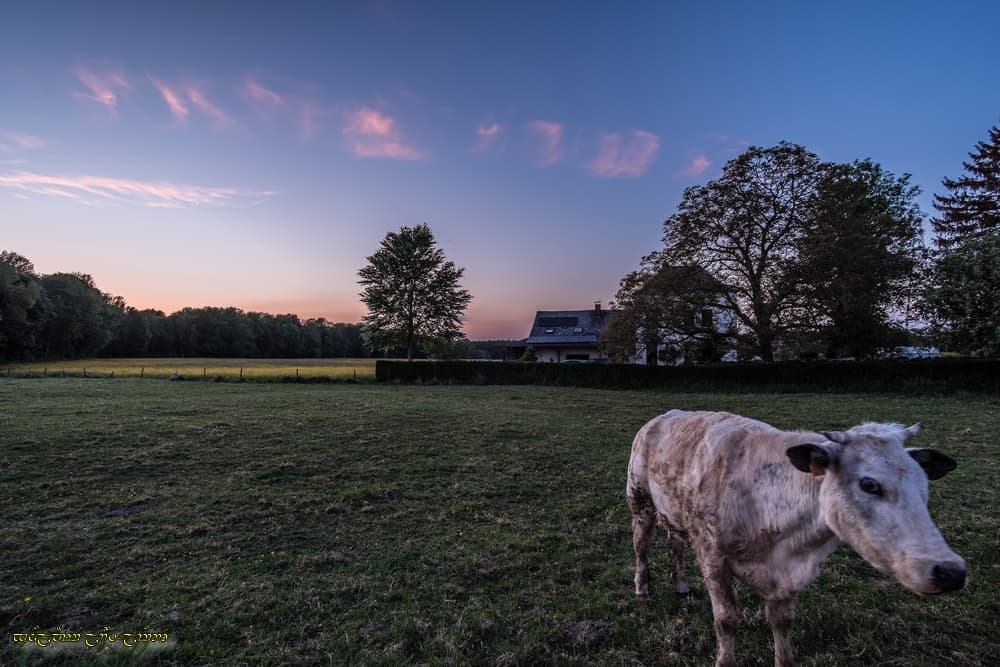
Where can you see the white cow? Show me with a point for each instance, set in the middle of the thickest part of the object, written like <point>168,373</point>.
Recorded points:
<point>767,506</point>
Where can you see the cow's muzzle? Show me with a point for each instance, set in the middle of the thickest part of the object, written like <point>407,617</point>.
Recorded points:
<point>948,577</point>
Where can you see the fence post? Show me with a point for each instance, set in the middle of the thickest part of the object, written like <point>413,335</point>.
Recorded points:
<point>142,371</point>
<point>296,373</point>
<point>84,372</point>
<point>204,372</point>
<point>241,373</point>
<point>355,374</point>
<point>45,372</point>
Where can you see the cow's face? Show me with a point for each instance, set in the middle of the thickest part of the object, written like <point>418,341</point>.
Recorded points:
<point>874,497</point>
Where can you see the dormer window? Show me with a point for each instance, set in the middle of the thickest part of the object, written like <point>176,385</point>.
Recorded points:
<point>550,331</point>
<point>578,330</point>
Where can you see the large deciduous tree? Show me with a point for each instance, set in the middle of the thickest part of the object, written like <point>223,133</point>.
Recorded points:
<point>745,228</point>
<point>24,307</point>
<point>963,299</point>
<point>84,319</point>
<point>972,206</point>
<point>859,259</point>
<point>412,292</point>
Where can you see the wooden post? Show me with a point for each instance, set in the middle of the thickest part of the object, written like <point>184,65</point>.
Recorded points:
<point>355,374</point>
<point>142,372</point>
<point>296,373</point>
<point>241,373</point>
<point>112,373</point>
<point>204,372</point>
<point>84,372</point>
<point>45,372</point>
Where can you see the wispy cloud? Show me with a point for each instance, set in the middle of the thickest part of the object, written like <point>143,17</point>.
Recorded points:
<point>488,134</point>
<point>11,142</point>
<point>698,166</point>
<point>261,95</point>
<point>373,134</point>
<point>173,99</point>
<point>549,134</point>
<point>102,87</point>
<point>201,102</point>
<point>156,194</point>
<point>629,158</point>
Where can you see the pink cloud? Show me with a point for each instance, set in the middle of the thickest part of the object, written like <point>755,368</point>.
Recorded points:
<point>204,105</point>
<point>173,100</point>
<point>550,135</point>
<point>373,134</point>
<point>262,95</point>
<point>489,134</point>
<point>630,158</point>
<point>308,120</point>
<point>157,194</point>
<point>102,87</point>
<point>698,166</point>
<point>18,141</point>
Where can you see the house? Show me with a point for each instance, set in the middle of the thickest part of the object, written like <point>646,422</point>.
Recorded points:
<point>565,335</point>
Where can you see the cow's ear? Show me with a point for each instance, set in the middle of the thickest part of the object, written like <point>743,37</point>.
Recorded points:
<point>934,463</point>
<point>813,459</point>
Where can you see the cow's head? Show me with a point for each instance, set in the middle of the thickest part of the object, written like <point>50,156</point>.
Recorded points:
<point>874,497</point>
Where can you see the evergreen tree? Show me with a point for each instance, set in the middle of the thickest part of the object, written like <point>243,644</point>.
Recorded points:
<point>972,206</point>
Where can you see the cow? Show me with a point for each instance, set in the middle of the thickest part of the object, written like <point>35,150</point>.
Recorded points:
<point>768,506</point>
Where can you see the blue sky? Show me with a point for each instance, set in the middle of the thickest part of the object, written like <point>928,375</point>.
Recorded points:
<point>254,155</point>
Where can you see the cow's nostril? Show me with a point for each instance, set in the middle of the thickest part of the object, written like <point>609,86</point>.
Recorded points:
<point>948,578</point>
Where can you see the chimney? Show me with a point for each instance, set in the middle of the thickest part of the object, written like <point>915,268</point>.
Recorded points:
<point>597,309</point>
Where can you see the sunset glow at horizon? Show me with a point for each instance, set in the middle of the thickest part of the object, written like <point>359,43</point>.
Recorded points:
<point>216,154</point>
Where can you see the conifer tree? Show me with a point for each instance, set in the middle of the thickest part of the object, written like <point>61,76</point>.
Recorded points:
<point>972,206</point>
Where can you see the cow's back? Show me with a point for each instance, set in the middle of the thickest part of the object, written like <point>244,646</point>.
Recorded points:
<point>713,472</point>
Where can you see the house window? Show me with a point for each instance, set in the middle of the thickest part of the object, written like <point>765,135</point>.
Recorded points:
<point>578,330</point>
<point>549,331</point>
<point>706,318</point>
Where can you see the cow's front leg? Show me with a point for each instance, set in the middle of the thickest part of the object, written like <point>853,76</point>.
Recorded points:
<point>719,582</point>
<point>780,612</point>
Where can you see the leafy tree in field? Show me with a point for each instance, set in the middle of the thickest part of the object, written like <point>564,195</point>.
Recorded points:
<point>24,307</point>
<point>972,206</point>
<point>859,257</point>
<point>963,299</point>
<point>660,306</point>
<point>412,292</point>
<point>745,229</point>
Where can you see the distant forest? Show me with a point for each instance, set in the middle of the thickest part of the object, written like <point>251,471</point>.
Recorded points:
<point>66,316</point>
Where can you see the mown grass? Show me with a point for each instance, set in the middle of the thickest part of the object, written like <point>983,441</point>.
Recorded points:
<point>398,525</point>
<point>360,370</point>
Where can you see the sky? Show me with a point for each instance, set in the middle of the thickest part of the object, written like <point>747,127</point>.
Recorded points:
<point>254,155</point>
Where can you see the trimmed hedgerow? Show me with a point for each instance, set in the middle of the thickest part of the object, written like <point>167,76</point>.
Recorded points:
<point>876,375</point>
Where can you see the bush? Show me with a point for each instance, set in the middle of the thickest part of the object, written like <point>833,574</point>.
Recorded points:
<point>875,375</point>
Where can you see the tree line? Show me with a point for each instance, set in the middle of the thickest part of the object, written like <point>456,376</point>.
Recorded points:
<point>810,258</point>
<point>66,316</point>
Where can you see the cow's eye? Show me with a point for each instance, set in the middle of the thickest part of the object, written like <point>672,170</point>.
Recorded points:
<point>869,485</point>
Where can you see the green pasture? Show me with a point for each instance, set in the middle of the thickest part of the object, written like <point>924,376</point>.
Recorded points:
<point>361,524</point>
<point>361,370</point>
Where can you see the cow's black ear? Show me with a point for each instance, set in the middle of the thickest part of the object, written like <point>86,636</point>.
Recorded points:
<point>813,459</point>
<point>934,463</point>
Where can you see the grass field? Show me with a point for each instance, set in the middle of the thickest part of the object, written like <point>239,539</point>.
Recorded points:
<point>361,370</point>
<point>357,524</point>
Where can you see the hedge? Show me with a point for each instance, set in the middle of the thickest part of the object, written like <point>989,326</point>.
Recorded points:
<point>875,375</point>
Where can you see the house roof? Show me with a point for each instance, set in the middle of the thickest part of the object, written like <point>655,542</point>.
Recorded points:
<point>568,327</point>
